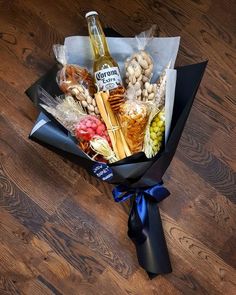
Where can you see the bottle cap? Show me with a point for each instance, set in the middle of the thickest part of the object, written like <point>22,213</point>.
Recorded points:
<point>91,13</point>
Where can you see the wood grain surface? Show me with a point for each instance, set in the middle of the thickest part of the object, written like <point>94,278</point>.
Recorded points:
<point>60,230</point>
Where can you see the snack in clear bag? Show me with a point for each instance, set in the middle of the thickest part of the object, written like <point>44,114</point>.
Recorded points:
<point>155,129</point>
<point>91,129</point>
<point>133,117</point>
<point>116,98</point>
<point>71,75</point>
<point>139,66</point>
<point>88,129</point>
<point>155,134</point>
<point>76,81</point>
<point>87,102</point>
<point>90,126</point>
<point>154,92</point>
<point>65,109</point>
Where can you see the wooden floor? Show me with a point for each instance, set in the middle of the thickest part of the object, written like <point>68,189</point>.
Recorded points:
<point>60,231</point>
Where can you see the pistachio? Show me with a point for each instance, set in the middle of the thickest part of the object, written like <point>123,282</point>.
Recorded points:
<point>138,72</point>
<point>84,103</point>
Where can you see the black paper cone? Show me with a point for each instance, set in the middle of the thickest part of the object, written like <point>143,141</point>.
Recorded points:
<point>136,171</point>
<point>152,252</point>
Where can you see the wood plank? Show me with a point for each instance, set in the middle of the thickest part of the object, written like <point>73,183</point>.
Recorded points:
<point>50,190</point>
<point>139,284</point>
<point>196,126</point>
<point>66,19</point>
<point>228,251</point>
<point>207,263</point>
<point>42,34</point>
<point>19,205</point>
<point>20,46</point>
<point>16,68</point>
<point>225,19</point>
<point>198,205</point>
<point>7,287</point>
<point>205,44</point>
<point>210,168</point>
<point>75,235</point>
<point>32,257</point>
<point>36,287</point>
<point>214,113</point>
<point>223,146</point>
<point>187,281</point>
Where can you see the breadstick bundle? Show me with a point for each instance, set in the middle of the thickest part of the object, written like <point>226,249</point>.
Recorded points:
<point>117,138</point>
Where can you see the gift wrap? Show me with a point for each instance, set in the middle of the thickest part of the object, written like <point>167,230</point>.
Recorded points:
<point>137,178</point>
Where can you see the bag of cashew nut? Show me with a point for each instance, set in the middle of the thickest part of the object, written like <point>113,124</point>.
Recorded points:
<point>75,81</point>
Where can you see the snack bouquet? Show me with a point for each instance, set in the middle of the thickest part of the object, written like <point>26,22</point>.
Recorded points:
<point>119,112</point>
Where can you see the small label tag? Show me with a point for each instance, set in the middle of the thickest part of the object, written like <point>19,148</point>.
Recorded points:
<point>108,79</point>
<point>102,171</point>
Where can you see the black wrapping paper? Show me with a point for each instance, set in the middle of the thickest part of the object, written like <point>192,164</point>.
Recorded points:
<point>135,171</point>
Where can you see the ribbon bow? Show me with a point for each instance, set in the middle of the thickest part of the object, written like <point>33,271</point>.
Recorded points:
<point>157,192</point>
<point>138,221</point>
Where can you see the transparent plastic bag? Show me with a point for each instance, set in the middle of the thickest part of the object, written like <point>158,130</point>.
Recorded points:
<point>70,75</point>
<point>76,81</point>
<point>139,67</point>
<point>145,37</point>
<point>155,133</point>
<point>161,107</point>
<point>155,129</point>
<point>133,117</point>
<point>65,109</point>
<point>90,126</point>
<point>90,131</point>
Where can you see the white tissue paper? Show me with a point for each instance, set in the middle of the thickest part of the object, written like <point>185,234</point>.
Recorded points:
<point>169,100</point>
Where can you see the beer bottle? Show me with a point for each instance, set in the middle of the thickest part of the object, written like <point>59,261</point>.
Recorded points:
<point>106,70</point>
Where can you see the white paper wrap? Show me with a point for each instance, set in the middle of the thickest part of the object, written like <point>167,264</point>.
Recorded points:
<point>38,125</point>
<point>169,101</point>
<point>162,50</point>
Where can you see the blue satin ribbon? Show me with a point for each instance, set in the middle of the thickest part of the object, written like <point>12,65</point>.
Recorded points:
<point>157,192</point>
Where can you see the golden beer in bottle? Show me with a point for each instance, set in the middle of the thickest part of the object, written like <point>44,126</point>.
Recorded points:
<point>106,70</point>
